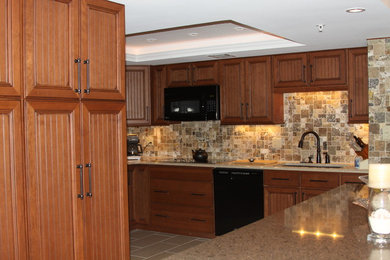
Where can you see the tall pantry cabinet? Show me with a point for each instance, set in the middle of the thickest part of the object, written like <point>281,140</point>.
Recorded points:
<point>72,191</point>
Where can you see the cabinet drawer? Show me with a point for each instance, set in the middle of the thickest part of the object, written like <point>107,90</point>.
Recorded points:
<point>319,180</point>
<point>281,178</point>
<point>188,219</point>
<point>350,178</point>
<point>198,194</point>
<point>182,173</point>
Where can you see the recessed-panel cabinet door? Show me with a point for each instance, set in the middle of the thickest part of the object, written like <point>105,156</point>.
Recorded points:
<point>103,50</point>
<point>12,227</point>
<point>10,55</point>
<point>104,131</point>
<point>51,46</point>
<point>53,182</point>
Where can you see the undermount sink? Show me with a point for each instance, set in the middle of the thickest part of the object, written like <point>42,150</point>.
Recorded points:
<point>313,165</point>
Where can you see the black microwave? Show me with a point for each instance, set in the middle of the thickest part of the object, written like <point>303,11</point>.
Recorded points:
<point>191,103</point>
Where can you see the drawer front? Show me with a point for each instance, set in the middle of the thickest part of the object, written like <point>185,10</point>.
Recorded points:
<point>350,178</point>
<point>183,219</point>
<point>281,178</point>
<point>199,194</point>
<point>182,173</point>
<point>319,180</point>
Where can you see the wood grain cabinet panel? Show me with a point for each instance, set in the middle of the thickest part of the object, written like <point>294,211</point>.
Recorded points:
<point>192,74</point>
<point>51,45</point>
<point>158,76</point>
<point>358,85</point>
<point>105,178</point>
<point>10,48</point>
<point>138,95</point>
<point>308,193</point>
<point>277,199</point>
<point>311,71</point>
<point>12,220</point>
<point>141,195</point>
<point>102,49</point>
<point>321,180</point>
<point>54,211</point>
<point>246,92</point>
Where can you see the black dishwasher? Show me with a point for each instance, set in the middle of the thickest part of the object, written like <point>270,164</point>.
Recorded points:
<point>238,198</point>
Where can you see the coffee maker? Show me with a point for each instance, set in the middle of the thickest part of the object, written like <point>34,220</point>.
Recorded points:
<point>134,148</point>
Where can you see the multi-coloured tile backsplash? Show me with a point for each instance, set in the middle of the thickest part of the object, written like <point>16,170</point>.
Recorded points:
<point>324,112</point>
<point>379,99</point>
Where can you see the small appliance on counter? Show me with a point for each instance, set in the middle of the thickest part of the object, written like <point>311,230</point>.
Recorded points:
<point>134,148</point>
<point>200,156</point>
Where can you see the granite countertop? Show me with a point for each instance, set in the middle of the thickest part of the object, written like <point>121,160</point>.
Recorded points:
<point>343,227</point>
<point>262,165</point>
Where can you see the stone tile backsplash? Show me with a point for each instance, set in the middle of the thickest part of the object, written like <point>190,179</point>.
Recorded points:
<point>324,112</point>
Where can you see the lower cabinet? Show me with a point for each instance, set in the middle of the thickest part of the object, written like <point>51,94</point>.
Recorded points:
<point>180,199</point>
<point>283,189</point>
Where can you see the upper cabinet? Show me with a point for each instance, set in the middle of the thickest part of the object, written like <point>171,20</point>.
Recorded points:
<point>158,75</point>
<point>138,95</point>
<point>74,52</point>
<point>358,85</point>
<point>192,74</point>
<point>312,71</point>
<point>10,48</point>
<point>246,92</point>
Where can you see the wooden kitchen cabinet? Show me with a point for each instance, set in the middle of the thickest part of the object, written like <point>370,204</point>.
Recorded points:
<point>12,232</point>
<point>10,48</point>
<point>138,100</point>
<point>82,60</point>
<point>277,199</point>
<point>358,85</point>
<point>82,198</point>
<point>140,196</point>
<point>192,74</point>
<point>182,200</point>
<point>311,71</point>
<point>246,92</point>
<point>158,84</point>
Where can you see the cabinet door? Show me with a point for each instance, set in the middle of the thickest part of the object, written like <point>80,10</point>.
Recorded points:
<point>10,67</point>
<point>159,82</point>
<point>277,199</point>
<point>105,178</point>
<point>358,85</point>
<point>290,70</point>
<point>259,102</point>
<point>12,222</point>
<point>179,75</point>
<point>138,95</point>
<point>204,73</point>
<point>328,68</point>
<point>103,50</point>
<point>54,211</point>
<point>141,194</point>
<point>232,91</point>
<point>307,193</point>
<point>51,41</point>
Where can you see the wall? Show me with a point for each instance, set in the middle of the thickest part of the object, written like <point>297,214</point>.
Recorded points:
<point>379,99</point>
<point>324,112</point>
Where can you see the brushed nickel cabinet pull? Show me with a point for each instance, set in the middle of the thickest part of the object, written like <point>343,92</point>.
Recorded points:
<point>241,108</point>
<point>311,73</point>
<point>160,191</point>
<point>280,179</point>
<point>304,73</point>
<point>81,194</point>
<point>78,61</point>
<point>87,90</point>
<point>246,111</point>
<point>89,166</point>
<point>161,216</point>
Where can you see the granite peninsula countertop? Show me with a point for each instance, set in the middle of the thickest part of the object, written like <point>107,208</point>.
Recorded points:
<point>292,234</point>
<point>245,164</point>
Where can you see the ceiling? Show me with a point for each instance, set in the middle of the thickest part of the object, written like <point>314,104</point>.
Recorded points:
<point>295,21</point>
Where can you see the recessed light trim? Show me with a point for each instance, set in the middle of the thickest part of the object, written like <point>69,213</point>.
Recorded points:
<point>151,39</point>
<point>193,34</point>
<point>239,28</point>
<point>355,10</point>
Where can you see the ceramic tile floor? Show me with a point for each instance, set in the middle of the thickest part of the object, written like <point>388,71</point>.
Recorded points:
<point>153,245</point>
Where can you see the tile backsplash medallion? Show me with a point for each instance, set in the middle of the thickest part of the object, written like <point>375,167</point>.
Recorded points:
<point>324,112</point>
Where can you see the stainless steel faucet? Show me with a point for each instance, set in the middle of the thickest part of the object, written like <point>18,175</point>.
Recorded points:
<point>300,144</point>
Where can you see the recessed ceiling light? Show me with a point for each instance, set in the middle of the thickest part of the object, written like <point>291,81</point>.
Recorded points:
<point>239,28</point>
<point>355,10</point>
<point>193,34</point>
<point>151,39</point>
